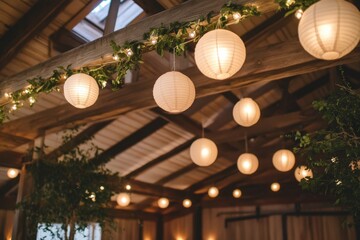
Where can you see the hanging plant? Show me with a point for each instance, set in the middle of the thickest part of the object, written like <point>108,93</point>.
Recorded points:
<point>333,153</point>
<point>69,190</point>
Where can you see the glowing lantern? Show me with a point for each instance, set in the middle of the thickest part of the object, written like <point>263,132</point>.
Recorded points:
<point>246,112</point>
<point>213,192</point>
<point>237,193</point>
<point>163,202</point>
<point>187,203</point>
<point>303,172</point>
<point>12,173</point>
<point>203,152</point>
<point>283,160</point>
<point>275,187</point>
<point>247,163</point>
<point>123,199</point>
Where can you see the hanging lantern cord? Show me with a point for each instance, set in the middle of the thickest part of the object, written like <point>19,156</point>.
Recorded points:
<point>174,60</point>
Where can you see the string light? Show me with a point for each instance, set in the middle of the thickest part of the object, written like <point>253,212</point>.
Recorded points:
<point>153,40</point>
<point>14,107</point>
<point>31,100</point>
<point>129,52</point>
<point>102,188</point>
<point>236,16</point>
<point>116,57</point>
<point>7,95</point>
<point>299,13</point>
<point>192,34</point>
<point>128,187</point>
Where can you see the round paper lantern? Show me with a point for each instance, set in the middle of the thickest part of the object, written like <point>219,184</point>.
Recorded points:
<point>187,203</point>
<point>330,29</point>
<point>246,112</point>
<point>81,90</point>
<point>12,173</point>
<point>275,187</point>
<point>247,163</point>
<point>283,160</point>
<point>123,199</point>
<point>302,172</point>
<point>236,193</point>
<point>174,92</point>
<point>163,202</point>
<point>213,192</point>
<point>203,152</point>
<point>219,54</point>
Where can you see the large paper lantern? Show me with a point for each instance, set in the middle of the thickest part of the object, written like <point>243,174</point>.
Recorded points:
<point>203,152</point>
<point>81,90</point>
<point>247,163</point>
<point>246,112</point>
<point>219,54</point>
<point>213,192</point>
<point>303,172</point>
<point>12,172</point>
<point>330,29</point>
<point>283,160</point>
<point>163,202</point>
<point>174,92</point>
<point>123,199</point>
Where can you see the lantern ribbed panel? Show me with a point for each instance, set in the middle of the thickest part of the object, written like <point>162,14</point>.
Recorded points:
<point>81,90</point>
<point>174,92</point>
<point>302,172</point>
<point>203,152</point>
<point>330,29</point>
<point>247,163</point>
<point>246,112</point>
<point>283,160</point>
<point>219,54</point>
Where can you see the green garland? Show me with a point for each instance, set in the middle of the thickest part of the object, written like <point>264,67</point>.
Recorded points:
<point>292,6</point>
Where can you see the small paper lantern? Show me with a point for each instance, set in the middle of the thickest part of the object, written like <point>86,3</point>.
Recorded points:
<point>203,152</point>
<point>283,160</point>
<point>330,29</point>
<point>247,163</point>
<point>219,54</point>
<point>12,173</point>
<point>187,203</point>
<point>246,112</point>
<point>123,199</point>
<point>213,192</point>
<point>237,193</point>
<point>81,90</point>
<point>303,172</point>
<point>163,202</point>
<point>275,187</point>
<point>174,92</point>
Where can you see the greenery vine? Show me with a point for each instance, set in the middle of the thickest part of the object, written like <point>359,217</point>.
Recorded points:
<point>292,6</point>
<point>333,153</point>
<point>69,190</point>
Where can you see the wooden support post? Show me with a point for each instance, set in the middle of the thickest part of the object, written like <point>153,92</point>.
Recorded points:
<point>197,223</point>
<point>112,16</point>
<point>284,227</point>
<point>141,229</point>
<point>160,228</point>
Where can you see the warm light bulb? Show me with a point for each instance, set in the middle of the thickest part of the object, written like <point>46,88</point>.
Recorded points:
<point>14,107</point>
<point>163,203</point>
<point>123,199</point>
<point>299,13</point>
<point>128,187</point>
<point>205,152</point>
<point>275,187</point>
<point>31,100</point>
<point>116,57</point>
<point>12,173</point>
<point>236,16</point>
<point>192,34</point>
<point>187,203</point>
<point>213,192</point>
<point>129,52</point>
<point>102,188</point>
<point>237,193</point>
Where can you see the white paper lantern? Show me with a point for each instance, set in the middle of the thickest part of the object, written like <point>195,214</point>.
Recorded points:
<point>302,172</point>
<point>123,199</point>
<point>81,90</point>
<point>247,163</point>
<point>237,193</point>
<point>187,203</point>
<point>283,160</point>
<point>330,29</point>
<point>219,54</point>
<point>213,192</point>
<point>163,202</point>
<point>174,92</point>
<point>12,172</point>
<point>275,187</point>
<point>203,152</point>
<point>246,112</point>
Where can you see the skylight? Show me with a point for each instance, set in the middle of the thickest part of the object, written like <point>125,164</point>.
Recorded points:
<point>93,25</point>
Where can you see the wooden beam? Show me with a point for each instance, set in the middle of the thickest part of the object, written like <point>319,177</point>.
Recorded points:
<point>101,47</point>
<point>9,141</point>
<point>31,24</point>
<point>64,40</point>
<point>8,186</point>
<point>11,159</point>
<point>131,140</point>
<point>262,65</point>
<point>160,159</point>
<point>112,16</point>
<point>150,6</point>
<point>131,214</point>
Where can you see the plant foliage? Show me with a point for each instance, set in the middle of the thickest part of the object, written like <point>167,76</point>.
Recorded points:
<point>69,190</point>
<point>333,153</point>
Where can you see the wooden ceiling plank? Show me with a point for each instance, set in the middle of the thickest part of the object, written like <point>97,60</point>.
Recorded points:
<point>31,24</point>
<point>150,7</point>
<point>8,186</point>
<point>11,159</point>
